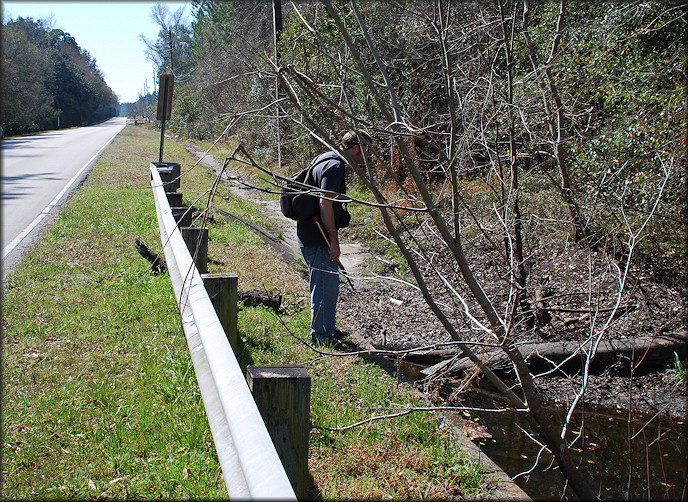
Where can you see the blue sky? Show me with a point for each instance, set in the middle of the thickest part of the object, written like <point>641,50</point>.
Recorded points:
<point>109,31</point>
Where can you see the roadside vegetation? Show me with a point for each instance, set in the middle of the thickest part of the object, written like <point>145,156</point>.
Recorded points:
<point>48,80</point>
<point>99,392</point>
<point>527,164</point>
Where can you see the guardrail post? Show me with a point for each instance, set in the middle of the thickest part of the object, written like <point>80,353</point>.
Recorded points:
<point>170,173</point>
<point>174,199</point>
<point>283,397</point>
<point>196,240</point>
<point>223,292</point>
<point>182,215</point>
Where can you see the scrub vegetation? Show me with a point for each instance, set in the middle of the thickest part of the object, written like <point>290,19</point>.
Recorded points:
<point>99,393</point>
<point>528,164</point>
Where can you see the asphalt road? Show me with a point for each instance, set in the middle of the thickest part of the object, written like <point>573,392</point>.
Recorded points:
<point>38,173</point>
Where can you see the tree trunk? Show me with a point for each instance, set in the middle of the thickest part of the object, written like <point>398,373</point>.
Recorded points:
<point>651,351</point>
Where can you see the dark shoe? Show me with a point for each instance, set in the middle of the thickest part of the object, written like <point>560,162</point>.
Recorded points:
<point>339,334</point>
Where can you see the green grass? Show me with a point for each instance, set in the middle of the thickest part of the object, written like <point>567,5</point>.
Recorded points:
<point>99,394</point>
<point>678,374</point>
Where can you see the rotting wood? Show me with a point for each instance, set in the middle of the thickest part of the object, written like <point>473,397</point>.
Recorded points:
<point>158,265</point>
<point>253,298</point>
<point>652,351</point>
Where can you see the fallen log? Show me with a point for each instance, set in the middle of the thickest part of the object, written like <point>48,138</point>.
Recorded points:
<point>642,352</point>
<point>158,265</point>
<point>253,298</point>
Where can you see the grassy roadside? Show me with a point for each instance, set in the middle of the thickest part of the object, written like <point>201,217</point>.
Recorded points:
<point>99,394</point>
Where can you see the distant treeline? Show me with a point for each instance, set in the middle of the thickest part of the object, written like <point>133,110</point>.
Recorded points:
<point>48,81</point>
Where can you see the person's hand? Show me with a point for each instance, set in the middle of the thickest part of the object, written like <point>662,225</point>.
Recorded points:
<point>335,252</point>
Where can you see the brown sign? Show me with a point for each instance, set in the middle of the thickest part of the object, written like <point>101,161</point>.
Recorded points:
<point>165,96</point>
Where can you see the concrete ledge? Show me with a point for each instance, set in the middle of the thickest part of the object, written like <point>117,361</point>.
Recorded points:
<point>507,489</point>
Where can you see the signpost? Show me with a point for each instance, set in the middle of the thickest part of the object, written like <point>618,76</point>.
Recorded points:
<point>164,105</point>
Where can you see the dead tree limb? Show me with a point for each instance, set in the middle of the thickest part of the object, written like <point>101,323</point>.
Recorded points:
<point>254,298</point>
<point>158,265</point>
<point>655,351</point>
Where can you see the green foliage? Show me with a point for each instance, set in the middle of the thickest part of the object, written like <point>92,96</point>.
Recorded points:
<point>623,74</point>
<point>191,117</point>
<point>618,71</point>
<point>25,104</point>
<point>678,373</point>
<point>47,75</point>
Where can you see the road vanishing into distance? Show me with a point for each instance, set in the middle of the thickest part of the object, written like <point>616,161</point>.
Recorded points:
<point>38,172</point>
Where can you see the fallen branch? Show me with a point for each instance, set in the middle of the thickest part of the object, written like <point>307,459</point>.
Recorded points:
<point>158,265</point>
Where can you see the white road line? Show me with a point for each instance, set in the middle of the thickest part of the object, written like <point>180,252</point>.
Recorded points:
<point>17,240</point>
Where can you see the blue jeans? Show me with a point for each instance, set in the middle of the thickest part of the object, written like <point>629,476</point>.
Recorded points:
<point>323,281</point>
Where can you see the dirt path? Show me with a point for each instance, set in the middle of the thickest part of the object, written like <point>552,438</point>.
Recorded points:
<point>389,313</point>
<point>354,255</point>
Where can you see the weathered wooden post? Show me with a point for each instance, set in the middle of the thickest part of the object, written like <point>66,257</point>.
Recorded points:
<point>283,396</point>
<point>174,199</point>
<point>223,292</point>
<point>182,215</point>
<point>197,241</point>
<point>170,175</point>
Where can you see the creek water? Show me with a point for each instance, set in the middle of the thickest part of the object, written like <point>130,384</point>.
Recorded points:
<point>643,458</point>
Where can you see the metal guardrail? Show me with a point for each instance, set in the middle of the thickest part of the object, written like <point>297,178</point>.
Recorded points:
<point>249,461</point>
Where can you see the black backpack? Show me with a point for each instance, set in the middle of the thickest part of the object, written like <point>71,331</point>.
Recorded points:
<point>300,206</point>
<point>296,204</point>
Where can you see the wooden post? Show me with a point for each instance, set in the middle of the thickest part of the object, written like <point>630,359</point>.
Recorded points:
<point>182,215</point>
<point>223,292</point>
<point>174,199</point>
<point>170,174</point>
<point>197,241</point>
<point>282,395</point>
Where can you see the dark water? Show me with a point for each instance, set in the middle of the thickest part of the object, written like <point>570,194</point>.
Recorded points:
<point>656,462</point>
<point>650,466</point>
